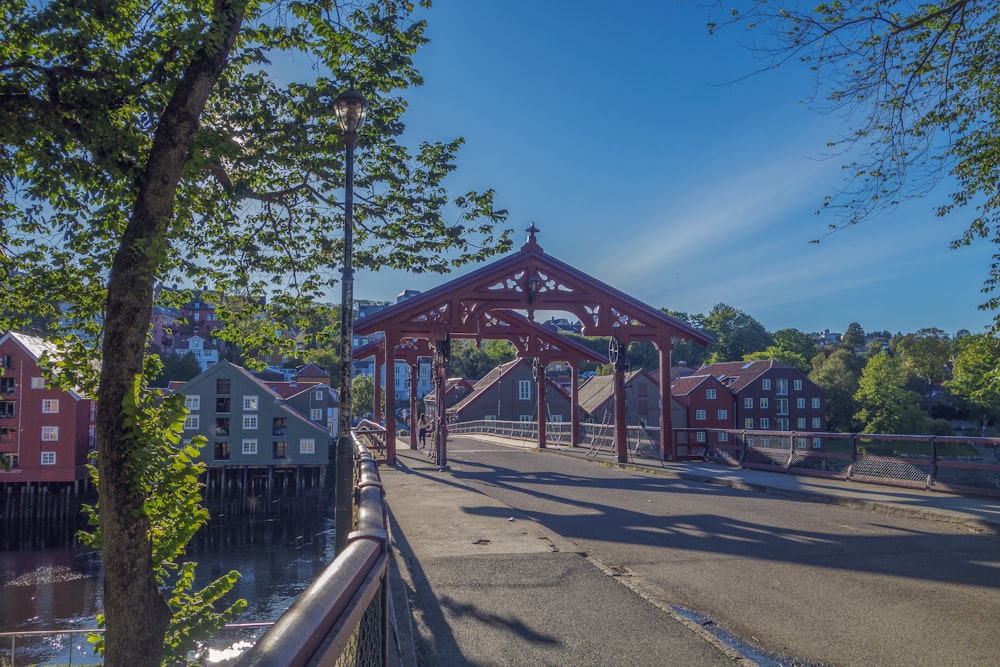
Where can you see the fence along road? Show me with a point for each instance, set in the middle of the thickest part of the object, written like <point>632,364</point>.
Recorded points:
<point>816,582</point>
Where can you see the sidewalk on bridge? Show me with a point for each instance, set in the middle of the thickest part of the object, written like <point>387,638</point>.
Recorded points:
<point>446,535</point>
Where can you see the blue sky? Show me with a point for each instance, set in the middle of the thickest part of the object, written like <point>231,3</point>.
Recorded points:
<point>632,139</point>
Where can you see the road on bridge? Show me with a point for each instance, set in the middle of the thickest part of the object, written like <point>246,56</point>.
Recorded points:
<point>815,582</point>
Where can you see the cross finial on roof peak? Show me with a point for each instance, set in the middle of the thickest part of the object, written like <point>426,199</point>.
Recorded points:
<point>532,241</point>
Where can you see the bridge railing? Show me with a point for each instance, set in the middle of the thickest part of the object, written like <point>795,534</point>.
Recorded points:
<point>956,464</point>
<point>343,617</point>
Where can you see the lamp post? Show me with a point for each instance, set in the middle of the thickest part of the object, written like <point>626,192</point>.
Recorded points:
<point>350,107</point>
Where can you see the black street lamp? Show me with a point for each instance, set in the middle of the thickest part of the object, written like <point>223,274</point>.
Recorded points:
<point>350,107</point>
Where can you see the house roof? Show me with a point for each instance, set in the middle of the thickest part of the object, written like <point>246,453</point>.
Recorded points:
<point>596,391</point>
<point>738,374</point>
<point>36,347</point>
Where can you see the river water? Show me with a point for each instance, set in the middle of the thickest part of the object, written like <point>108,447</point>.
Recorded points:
<point>53,584</point>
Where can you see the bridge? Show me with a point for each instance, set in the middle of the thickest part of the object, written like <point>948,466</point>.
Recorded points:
<point>521,555</point>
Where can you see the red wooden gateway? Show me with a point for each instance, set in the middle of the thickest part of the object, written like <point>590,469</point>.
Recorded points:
<point>488,303</point>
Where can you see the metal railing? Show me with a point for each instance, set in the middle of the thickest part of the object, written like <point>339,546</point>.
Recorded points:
<point>343,617</point>
<point>954,464</point>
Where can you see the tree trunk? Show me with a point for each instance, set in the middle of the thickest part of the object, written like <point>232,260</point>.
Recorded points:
<point>136,613</point>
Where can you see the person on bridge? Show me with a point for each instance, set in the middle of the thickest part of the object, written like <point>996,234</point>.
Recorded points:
<point>422,430</point>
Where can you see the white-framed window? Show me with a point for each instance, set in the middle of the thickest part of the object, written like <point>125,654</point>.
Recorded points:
<point>765,423</point>
<point>815,404</point>
<point>699,436</point>
<point>765,384</point>
<point>763,402</point>
<point>193,402</point>
<point>782,423</point>
<point>700,415</point>
<point>250,446</point>
<point>748,422</point>
<point>489,418</point>
<point>249,422</point>
<point>307,446</point>
<point>748,402</point>
<point>524,390</point>
<point>48,458</point>
<point>782,406</point>
<point>524,418</point>
<point>316,414</point>
<point>192,423</point>
<point>50,433</point>
<point>817,422</point>
<point>710,394</point>
<point>801,423</point>
<point>797,385</point>
<point>723,414</point>
<point>723,436</point>
<point>555,418</point>
<point>800,403</point>
<point>38,383</point>
<point>319,395</point>
<point>817,443</point>
<point>782,386</point>
<point>250,402</point>
<point>50,406</point>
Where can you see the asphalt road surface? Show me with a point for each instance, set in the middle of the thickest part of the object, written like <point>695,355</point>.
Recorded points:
<point>817,583</point>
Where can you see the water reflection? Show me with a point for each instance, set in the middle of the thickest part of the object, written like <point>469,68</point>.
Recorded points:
<point>59,588</point>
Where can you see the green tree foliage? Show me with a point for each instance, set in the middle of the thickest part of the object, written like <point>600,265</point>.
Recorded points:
<point>838,373</point>
<point>796,341</point>
<point>919,81</point>
<point>469,360</point>
<point>735,333</point>
<point>927,354</point>
<point>363,395</point>
<point>685,351</point>
<point>976,375</point>
<point>885,405</point>
<point>151,143</point>
<point>777,353</point>
<point>854,337</point>
<point>179,367</point>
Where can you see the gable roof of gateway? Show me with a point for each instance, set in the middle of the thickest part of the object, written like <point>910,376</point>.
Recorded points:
<point>459,305</point>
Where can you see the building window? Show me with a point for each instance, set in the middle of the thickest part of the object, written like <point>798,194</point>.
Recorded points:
<point>782,406</point>
<point>800,423</point>
<point>524,418</point>
<point>782,386</point>
<point>48,458</point>
<point>249,422</point>
<point>6,409</point>
<point>307,446</point>
<point>221,450</point>
<point>710,394</point>
<point>222,386</point>
<point>490,418</point>
<point>800,403</point>
<point>555,418</point>
<point>222,426</point>
<point>279,449</point>
<point>319,394</point>
<point>316,414</point>
<point>222,405</point>
<point>13,460</point>
<point>7,362</point>
<point>817,443</point>
<point>524,390</point>
<point>748,402</point>
<point>763,402</point>
<point>699,436</point>
<point>764,423</point>
<point>279,426</point>
<point>817,423</point>
<point>7,385</point>
<point>700,415</point>
<point>782,423</point>
<point>50,433</point>
<point>192,423</point>
<point>765,385</point>
<point>723,415</point>
<point>797,385</point>
<point>192,403</point>
<point>250,402</point>
<point>723,436</point>
<point>249,447</point>
<point>50,406</point>
<point>748,422</point>
<point>37,383</point>
<point>815,404</point>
